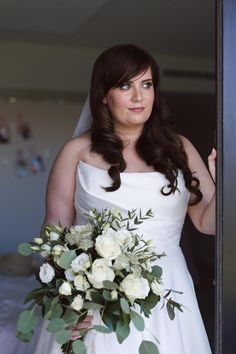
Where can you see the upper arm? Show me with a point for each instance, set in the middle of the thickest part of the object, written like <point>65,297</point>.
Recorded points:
<point>61,186</point>
<point>207,186</point>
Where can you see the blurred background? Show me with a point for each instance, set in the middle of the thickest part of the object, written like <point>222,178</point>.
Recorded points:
<point>47,52</point>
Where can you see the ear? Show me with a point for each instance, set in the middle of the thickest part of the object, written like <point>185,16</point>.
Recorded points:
<point>104,100</point>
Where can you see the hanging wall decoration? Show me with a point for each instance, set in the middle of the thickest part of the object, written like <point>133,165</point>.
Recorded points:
<point>21,164</point>
<point>23,127</point>
<point>5,133</point>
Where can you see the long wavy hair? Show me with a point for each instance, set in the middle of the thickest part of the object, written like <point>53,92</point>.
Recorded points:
<point>158,144</point>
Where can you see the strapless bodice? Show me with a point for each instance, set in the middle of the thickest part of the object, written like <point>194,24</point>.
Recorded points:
<point>137,191</point>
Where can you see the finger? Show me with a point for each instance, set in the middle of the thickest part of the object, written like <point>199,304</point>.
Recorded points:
<point>83,325</point>
<point>213,154</point>
<point>211,163</point>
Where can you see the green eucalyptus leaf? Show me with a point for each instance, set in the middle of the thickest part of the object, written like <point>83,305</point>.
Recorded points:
<point>34,294</point>
<point>92,305</point>
<point>107,295</point>
<point>152,300</point>
<point>79,347</point>
<point>124,305</point>
<point>96,296</point>
<point>157,271</point>
<point>56,325</point>
<point>24,337</point>
<point>122,331</point>
<point>26,321</point>
<point>147,347</point>
<point>110,285</point>
<point>70,316</point>
<point>63,336</point>
<point>57,311</point>
<point>170,310</point>
<point>102,329</point>
<point>137,320</point>
<point>110,320</point>
<point>66,259</point>
<point>25,249</point>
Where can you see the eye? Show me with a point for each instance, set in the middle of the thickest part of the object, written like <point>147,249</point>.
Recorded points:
<point>125,86</point>
<point>147,84</point>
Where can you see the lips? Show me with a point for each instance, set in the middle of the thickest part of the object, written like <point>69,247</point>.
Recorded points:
<point>136,109</point>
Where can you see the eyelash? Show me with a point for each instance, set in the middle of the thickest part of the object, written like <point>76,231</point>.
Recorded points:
<point>145,85</point>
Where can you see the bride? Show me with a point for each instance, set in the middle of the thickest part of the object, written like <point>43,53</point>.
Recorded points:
<point>126,156</point>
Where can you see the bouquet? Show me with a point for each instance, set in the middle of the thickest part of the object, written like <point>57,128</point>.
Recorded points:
<point>104,265</point>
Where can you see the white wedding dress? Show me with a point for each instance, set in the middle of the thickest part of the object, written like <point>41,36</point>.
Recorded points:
<point>186,333</point>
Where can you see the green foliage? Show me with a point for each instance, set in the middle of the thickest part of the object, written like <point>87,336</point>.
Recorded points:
<point>25,249</point>
<point>36,294</point>
<point>157,271</point>
<point>102,329</point>
<point>124,305</point>
<point>70,317</point>
<point>122,331</point>
<point>66,259</point>
<point>92,305</point>
<point>57,311</point>
<point>79,347</point>
<point>107,295</point>
<point>63,336</point>
<point>148,347</point>
<point>137,320</point>
<point>170,310</point>
<point>27,321</point>
<point>110,285</point>
<point>24,337</point>
<point>56,325</point>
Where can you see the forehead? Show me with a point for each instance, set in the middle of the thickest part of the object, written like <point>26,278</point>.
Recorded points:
<point>145,75</point>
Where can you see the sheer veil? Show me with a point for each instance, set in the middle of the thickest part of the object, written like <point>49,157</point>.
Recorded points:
<point>85,119</point>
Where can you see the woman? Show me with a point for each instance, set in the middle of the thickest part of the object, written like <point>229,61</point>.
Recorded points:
<point>130,158</point>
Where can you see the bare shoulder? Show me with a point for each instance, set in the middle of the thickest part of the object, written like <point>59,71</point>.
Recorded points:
<point>75,149</point>
<point>191,152</point>
<point>187,145</point>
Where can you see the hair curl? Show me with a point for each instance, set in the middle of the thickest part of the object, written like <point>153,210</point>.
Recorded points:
<point>158,144</point>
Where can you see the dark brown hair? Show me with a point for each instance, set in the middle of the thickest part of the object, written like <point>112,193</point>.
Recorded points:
<point>158,144</point>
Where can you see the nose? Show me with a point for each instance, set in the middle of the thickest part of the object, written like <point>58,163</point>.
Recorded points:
<point>137,94</point>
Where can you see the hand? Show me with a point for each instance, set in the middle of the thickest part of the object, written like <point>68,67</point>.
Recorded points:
<point>85,324</point>
<point>212,163</point>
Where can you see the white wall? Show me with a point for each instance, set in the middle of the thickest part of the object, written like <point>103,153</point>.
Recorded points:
<point>22,199</point>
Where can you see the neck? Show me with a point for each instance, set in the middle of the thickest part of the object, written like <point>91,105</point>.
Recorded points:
<point>129,137</point>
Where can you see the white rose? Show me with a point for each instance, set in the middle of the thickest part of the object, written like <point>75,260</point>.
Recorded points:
<point>46,273</point>
<point>114,295</point>
<point>57,250</point>
<point>105,227</point>
<point>107,246</point>
<point>124,238</point>
<point>35,248</point>
<point>45,250</point>
<point>135,287</point>
<point>38,240</point>
<point>147,266</point>
<point>54,236</point>
<point>157,288</point>
<point>77,303</point>
<point>122,262</point>
<point>100,273</point>
<point>69,274</point>
<point>81,283</point>
<point>65,288</point>
<point>80,263</point>
<point>88,295</point>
